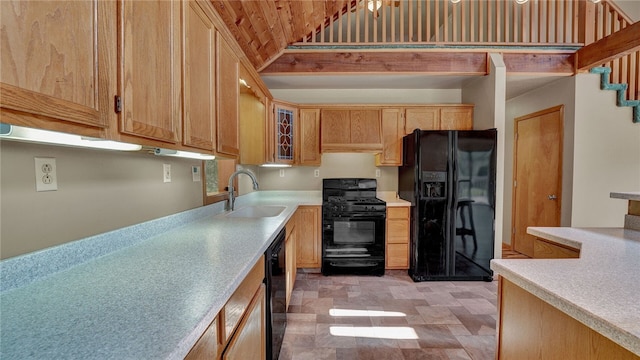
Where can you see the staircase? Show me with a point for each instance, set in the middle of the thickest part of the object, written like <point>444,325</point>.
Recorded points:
<point>620,88</point>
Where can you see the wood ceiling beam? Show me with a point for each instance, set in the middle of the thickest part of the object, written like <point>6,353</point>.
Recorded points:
<point>614,46</point>
<point>540,63</point>
<point>473,63</point>
<point>430,62</point>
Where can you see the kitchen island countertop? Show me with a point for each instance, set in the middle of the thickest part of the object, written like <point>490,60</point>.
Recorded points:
<point>601,289</point>
<point>148,297</point>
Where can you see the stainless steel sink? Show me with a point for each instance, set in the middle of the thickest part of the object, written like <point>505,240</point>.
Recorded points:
<point>257,211</point>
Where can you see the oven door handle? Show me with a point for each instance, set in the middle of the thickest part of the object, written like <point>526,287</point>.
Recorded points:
<point>365,216</point>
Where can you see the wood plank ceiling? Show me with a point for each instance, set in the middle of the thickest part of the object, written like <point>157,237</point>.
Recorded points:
<point>264,28</point>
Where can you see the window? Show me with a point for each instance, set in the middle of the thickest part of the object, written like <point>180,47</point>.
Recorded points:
<point>216,177</point>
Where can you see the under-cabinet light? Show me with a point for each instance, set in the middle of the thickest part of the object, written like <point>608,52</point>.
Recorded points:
<point>183,154</point>
<point>275,165</point>
<point>19,133</point>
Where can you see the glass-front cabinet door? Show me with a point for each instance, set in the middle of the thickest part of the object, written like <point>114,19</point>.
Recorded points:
<point>285,127</point>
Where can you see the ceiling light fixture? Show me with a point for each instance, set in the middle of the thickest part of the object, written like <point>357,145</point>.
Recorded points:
<point>374,5</point>
<point>183,154</point>
<point>595,1</point>
<point>455,1</point>
<point>19,133</point>
<point>521,1</point>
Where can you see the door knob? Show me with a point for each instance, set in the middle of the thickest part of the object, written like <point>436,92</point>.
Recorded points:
<point>552,197</point>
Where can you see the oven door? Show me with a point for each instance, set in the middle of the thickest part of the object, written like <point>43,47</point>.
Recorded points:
<point>357,231</point>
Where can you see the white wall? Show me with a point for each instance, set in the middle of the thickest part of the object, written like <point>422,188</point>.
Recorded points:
<point>488,93</point>
<point>368,96</point>
<point>334,165</point>
<point>97,191</point>
<point>606,155</point>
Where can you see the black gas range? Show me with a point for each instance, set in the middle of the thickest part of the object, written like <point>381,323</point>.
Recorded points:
<point>353,227</point>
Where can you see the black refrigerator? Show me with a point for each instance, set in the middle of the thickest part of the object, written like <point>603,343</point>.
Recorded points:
<point>449,178</point>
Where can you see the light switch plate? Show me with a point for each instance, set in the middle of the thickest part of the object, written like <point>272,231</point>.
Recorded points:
<point>281,172</point>
<point>46,174</point>
<point>377,173</point>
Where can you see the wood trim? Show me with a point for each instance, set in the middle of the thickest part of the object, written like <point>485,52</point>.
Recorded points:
<point>540,63</point>
<point>442,63</point>
<point>614,46</point>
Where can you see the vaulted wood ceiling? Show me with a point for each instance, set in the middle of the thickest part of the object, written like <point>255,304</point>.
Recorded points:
<point>264,28</point>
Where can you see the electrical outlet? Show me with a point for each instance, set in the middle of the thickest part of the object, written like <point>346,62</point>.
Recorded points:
<point>281,172</point>
<point>166,169</point>
<point>316,173</point>
<point>195,173</point>
<point>46,176</point>
<point>377,173</point>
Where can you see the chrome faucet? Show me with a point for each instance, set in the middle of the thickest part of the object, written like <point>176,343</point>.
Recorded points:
<point>232,197</point>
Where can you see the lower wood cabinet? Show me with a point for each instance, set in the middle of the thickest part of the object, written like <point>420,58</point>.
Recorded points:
<point>397,244</point>
<point>238,332</point>
<point>249,340</point>
<point>208,346</point>
<point>543,249</point>
<point>531,329</point>
<point>309,244</point>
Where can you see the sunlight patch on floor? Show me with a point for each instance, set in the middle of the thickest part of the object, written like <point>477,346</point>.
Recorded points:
<point>376,332</point>
<point>372,313</point>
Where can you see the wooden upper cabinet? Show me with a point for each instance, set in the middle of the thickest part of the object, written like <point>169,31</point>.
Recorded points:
<point>285,118</point>
<point>456,118</point>
<point>50,68</point>
<point>392,133</point>
<point>309,137</point>
<point>227,129</point>
<point>252,119</point>
<point>336,128</point>
<point>425,118</point>
<point>150,69</point>
<point>350,130</point>
<point>199,77</point>
<point>439,117</point>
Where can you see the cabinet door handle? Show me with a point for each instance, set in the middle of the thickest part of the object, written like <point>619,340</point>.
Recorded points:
<point>552,197</point>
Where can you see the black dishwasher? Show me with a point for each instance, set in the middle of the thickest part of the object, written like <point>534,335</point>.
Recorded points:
<point>276,289</point>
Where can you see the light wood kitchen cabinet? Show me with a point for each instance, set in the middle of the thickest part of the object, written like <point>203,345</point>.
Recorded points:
<point>56,67</point>
<point>397,246</point>
<point>199,77</point>
<point>456,118</point>
<point>309,138</point>
<point>350,130</point>
<point>529,328</point>
<point>208,346</point>
<point>290,255</point>
<point>543,249</point>
<point>309,244</point>
<point>285,121</point>
<point>249,340</point>
<point>424,118</point>
<point>439,117</point>
<point>239,328</point>
<point>253,121</point>
<point>392,133</point>
<point>150,71</point>
<point>227,90</point>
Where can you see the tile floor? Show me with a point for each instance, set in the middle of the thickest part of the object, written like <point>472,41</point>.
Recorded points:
<point>389,317</point>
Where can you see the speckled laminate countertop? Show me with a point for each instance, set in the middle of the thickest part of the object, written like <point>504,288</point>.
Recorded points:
<point>143,292</point>
<point>601,289</point>
<point>392,199</point>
